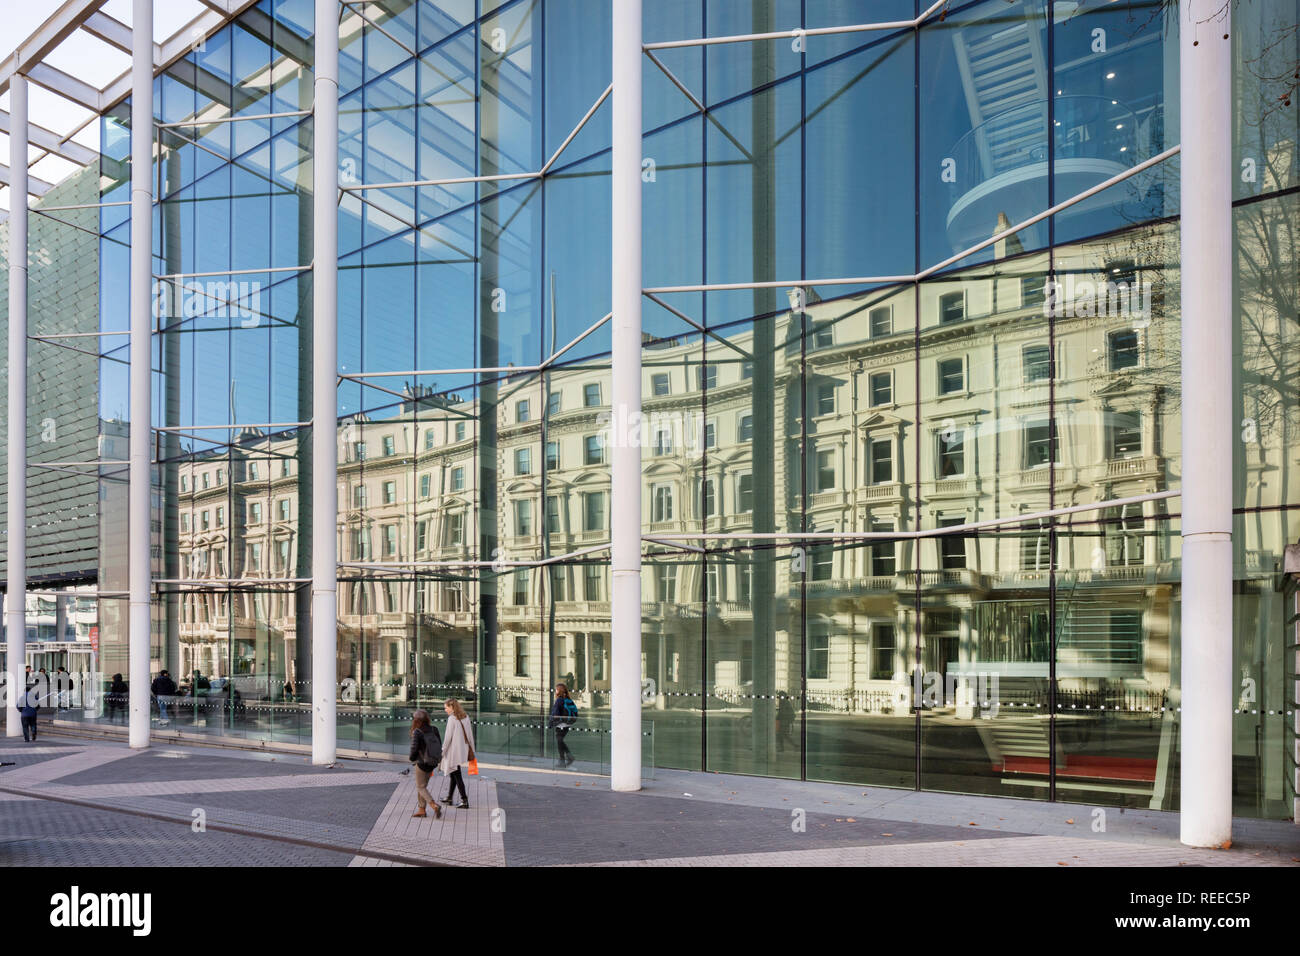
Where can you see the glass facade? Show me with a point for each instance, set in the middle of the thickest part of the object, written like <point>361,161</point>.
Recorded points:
<point>814,603</point>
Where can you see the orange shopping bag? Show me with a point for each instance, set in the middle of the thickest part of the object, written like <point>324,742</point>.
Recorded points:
<point>472,767</point>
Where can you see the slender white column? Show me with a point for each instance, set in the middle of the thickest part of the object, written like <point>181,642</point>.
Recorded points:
<point>624,431</point>
<point>140,471</point>
<point>1207,433</point>
<point>324,442</point>
<point>16,588</point>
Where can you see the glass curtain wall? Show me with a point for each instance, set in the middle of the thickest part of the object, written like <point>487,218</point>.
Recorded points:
<point>901,355</point>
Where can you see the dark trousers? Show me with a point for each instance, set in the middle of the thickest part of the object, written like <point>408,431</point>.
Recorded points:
<point>454,780</point>
<point>561,748</point>
<point>29,725</point>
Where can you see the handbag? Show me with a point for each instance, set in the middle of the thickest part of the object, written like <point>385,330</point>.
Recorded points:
<point>471,768</point>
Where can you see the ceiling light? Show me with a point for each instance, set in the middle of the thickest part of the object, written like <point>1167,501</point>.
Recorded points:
<point>1110,76</point>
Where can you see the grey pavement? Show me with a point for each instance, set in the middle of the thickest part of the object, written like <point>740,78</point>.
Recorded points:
<point>84,801</point>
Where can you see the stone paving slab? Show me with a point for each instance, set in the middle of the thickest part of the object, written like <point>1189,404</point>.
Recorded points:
<point>42,833</point>
<point>1016,851</point>
<point>351,807</point>
<point>176,764</point>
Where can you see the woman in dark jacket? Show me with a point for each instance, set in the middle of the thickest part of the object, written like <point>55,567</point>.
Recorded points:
<point>117,695</point>
<point>426,751</point>
<point>562,712</point>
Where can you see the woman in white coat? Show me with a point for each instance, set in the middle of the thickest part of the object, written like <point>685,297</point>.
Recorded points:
<point>457,748</point>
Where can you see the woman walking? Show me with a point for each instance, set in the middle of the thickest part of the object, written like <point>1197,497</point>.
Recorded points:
<point>426,751</point>
<point>458,748</point>
<point>563,713</point>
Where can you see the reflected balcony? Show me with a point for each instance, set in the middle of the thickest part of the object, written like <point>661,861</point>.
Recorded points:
<point>1002,165</point>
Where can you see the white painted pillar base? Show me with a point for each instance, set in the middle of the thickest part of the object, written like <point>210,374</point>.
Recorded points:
<point>1205,85</point>
<point>624,430</point>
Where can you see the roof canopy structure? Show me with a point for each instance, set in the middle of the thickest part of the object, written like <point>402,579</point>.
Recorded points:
<point>94,37</point>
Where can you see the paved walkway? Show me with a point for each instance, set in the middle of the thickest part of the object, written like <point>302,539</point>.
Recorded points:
<point>72,801</point>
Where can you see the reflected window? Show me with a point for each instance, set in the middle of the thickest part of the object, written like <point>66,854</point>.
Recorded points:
<point>826,470</point>
<point>421,535</point>
<point>591,395</point>
<point>952,454</point>
<point>426,486</point>
<point>1122,349</point>
<point>826,398</point>
<point>822,335</point>
<point>823,560</point>
<point>952,376</point>
<point>881,320</point>
<point>593,508</point>
<point>747,369</point>
<point>883,648</point>
<point>666,580</point>
<point>708,499</point>
<point>185,522</point>
<point>593,577</point>
<point>593,450</point>
<point>1034,549</point>
<point>255,556</point>
<point>553,514</point>
<point>284,509</point>
<point>523,461</point>
<point>521,655</point>
<point>1033,291</point>
<point>744,493</point>
<point>521,410</point>
<point>430,439</point>
<point>459,431</point>
<point>282,563</point>
<point>221,476</point>
<point>710,434</point>
<point>390,540</point>
<point>707,376</point>
<point>1037,362</point>
<point>254,512</point>
<point>203,521</point>
<point>523,518</point>
<point>359,496</point>
<point>286,468</point>
<point>881,388</point>
<point>819,651</point>
<point>881,458</point>
<point>663,441</point>
<point>952,306</point>
<point>521,587</point>
<point>221,517</point>
<point>185,483</point>
<point>207,480</point>
<point>1040,444</point>
<point>455,533</point>
<point>746,430</point>
<point>952,547</point>
<point>252,471</point>
<point>884,554</point>
<point>560,583</point>
<point>553,403</point>
<point>390,446</point>
<point>659,383</point>
<point>390,492</point>
<point>662,503</point>
<point>1125,541</point>
<point>552,456</point>
<point>458,479</point>
<point>744,579</point>
<point>360,544</point>
<point>358,452</point>
<point>1124,435</point>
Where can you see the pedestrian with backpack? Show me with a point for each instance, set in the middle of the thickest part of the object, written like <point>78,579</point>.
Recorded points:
<point>426,752</point>
<point>564,714</point>
<point>458,748</point>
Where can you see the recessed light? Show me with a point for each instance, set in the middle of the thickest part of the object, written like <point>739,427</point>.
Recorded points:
<point>1119,125</point>
<point>1110,76</point>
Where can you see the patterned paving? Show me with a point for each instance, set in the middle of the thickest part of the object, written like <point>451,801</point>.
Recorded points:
<point>80,803</point>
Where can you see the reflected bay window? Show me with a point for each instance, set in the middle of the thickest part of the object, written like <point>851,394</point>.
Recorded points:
<point>952,454</point>
<point>1124,435</point>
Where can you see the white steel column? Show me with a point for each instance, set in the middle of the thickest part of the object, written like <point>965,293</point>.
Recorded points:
<point>16,588</point>
<point>1207,433</point>
<point>624,431</point>
<point>140,470</point>
<point>324,450</point>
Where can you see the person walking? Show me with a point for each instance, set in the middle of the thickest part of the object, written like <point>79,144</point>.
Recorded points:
<point>563,714</point>
<point>426,752</point>
<point>164,688</point>
<point>117,693</point>
<point>457,748</point>
<point>28,709</point>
